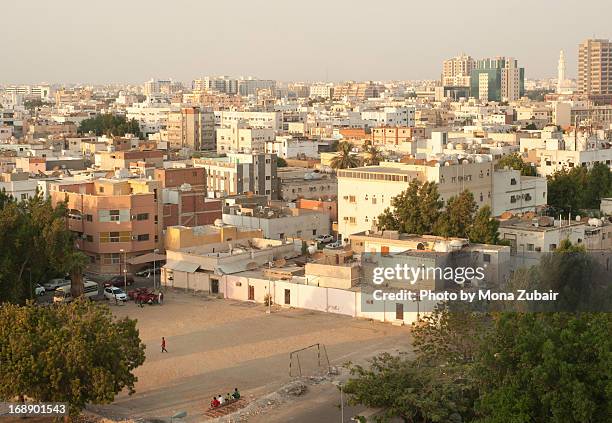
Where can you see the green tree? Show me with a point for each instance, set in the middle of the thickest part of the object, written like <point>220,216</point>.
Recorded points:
<point>280,162</point>
<point>546,367</point>
<point>598,185</point>
<point>75,353</point>
<point>415,210</point>
<point>110,125</point>
<point>566,189</point>
<point>485,228</point>
<point>345,158</point>
<point>36,245</point>
<point>458,216</point>
<point>516,162</point>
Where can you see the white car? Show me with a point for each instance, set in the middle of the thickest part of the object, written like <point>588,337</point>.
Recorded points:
<point>324,238</point>
<point>112,293</point>
<point>53,284</point>
<point>337,244</point>
<point>39,290</point>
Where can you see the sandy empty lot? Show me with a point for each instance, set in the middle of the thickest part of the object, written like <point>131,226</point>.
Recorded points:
<point>216,345</point>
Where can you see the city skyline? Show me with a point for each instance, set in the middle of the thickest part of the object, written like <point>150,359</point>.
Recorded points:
<point>130,43</point>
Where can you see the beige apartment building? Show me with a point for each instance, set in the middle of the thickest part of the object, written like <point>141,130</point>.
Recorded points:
<point>240,137</point>
<point>395,135</point>
<point>595,68</point>
<point>115,220</point>
<point>191,127</point>
<point>456,71</point>
<point>365,192</point>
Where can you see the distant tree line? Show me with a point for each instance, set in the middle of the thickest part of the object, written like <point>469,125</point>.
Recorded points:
<point>110,125</point>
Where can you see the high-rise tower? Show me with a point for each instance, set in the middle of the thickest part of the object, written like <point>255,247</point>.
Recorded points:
<point>561,72</point>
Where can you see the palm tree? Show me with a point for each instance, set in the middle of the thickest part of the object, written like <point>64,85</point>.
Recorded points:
<point>373,155</point>
<point>345,158</point>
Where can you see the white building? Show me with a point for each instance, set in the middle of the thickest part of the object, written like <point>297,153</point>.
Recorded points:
<point>239,137</point>
<point>515,193</point>
<point>279,223</point>
<point>151,116</point>
<point>286,146</point>
<point>389,116</point>
<point>321,91</point>
<point>272,120</point>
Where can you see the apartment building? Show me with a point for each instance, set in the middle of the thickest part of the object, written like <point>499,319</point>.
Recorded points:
<point>389,116</point>
<point>288,147</point>
<point>515,193</point>
<point>18,185</point>
<point>279,222</point>
<point>184,197</point>
<point>239,137</point>
<point>152,116</point>
<point>357,90</point>
<point>191,127</point>
<point>115,160</point>
<point>456,71</point>
<point>365,192</point>
<point>240,173</point>
<point>595,69</point>
<point>396,135</point>
<point>298,182</point>
<point>114,219</point>
<point>274,120</point>
<point>321,91</point>
<point>222,84</point>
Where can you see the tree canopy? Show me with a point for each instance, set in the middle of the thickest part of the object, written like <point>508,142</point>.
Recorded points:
<point>504,366</point>
<point>75,353</point>
<point>36,246</point>
<point>516,162</point>
<point>578,188</point>
<point>110,125</point>
<point>280,162</point>
<point>419,210</point>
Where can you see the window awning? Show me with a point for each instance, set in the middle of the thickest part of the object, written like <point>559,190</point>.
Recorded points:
<point>181,266</point>
<point>147,258</point>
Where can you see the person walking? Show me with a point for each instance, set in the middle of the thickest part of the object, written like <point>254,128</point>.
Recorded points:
<point>163,345</point>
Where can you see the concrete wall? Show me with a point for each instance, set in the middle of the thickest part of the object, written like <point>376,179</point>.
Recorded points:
<point>317,298</point>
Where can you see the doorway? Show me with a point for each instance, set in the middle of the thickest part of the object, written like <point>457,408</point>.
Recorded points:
<point>251,293</point>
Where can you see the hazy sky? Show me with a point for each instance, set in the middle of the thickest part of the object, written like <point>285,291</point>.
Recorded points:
<point>133,40</point>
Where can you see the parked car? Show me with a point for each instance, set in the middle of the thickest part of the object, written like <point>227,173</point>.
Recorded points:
<point>120,281</point>
<point>55,283</point>
<point>336,244</point>
<point>144,295</point>
<point>112,293</point>
<point>148,272</point>
<point>39,290</point>
<point>63,294</point>
<point>324,238</point>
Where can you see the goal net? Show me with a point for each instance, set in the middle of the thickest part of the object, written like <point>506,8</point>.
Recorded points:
<point>308,361</point>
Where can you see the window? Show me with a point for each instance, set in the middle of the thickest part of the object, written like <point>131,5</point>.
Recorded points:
<point>530,247</point>
<point>89,217</point>
<point>142,216</point>
<point>114,215</point>
<point>143,237</point>
<point>552,247</point>
<point>486,258</point>
<point>513,181</point>
<point>24,196</point>
<point>114,237</point>
<point>351,199</point>
<point>100,189</point>
<point>88,238</point>
<point>314,231</point>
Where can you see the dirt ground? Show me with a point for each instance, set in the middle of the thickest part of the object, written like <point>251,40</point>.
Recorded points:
<point>216,345</point>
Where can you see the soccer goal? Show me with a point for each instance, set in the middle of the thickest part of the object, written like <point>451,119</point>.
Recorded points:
<point>308,361</point>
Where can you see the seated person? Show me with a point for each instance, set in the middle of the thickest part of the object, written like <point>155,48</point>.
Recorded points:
<point>214,403</point>
<point>229,398</point>
<point>236,394</point>
<point>221,399</point>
